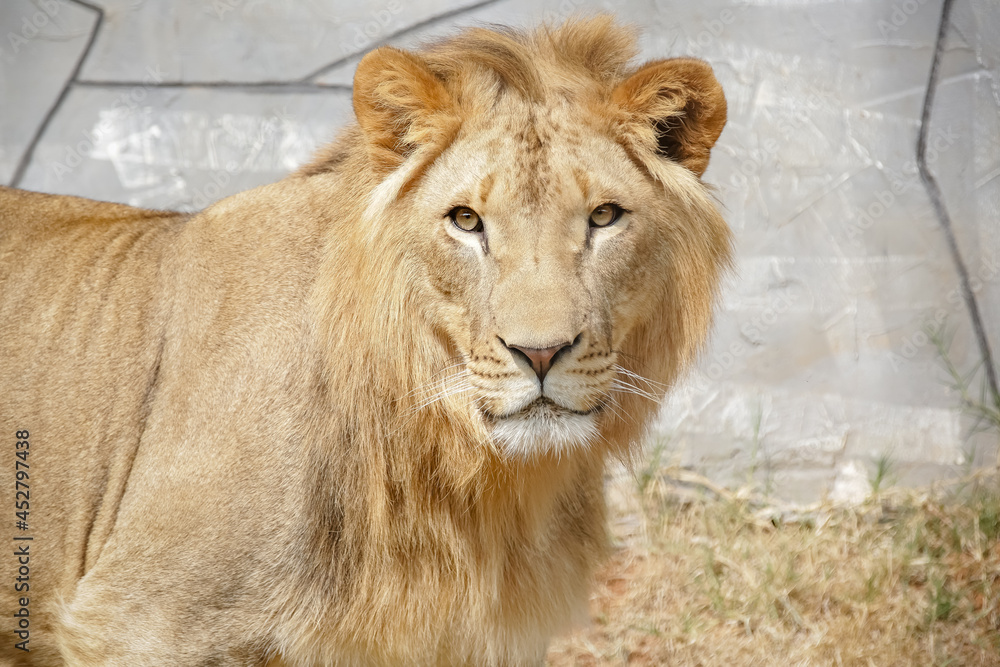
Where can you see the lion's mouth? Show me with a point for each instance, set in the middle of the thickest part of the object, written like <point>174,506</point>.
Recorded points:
<point>542,407</point>
<point>543,425</point>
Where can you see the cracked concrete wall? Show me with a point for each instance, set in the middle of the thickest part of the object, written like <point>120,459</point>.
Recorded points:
<point>819,363</point>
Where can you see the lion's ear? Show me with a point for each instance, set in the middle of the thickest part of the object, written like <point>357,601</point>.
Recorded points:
<point>400,105</point>
<point>675,108</point>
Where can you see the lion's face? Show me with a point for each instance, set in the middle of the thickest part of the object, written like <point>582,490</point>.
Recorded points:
<point>541,263</point>
<point>549,224</point>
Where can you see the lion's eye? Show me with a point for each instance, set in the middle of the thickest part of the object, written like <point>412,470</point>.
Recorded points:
<point>605,214</point>
<point>466,219</point>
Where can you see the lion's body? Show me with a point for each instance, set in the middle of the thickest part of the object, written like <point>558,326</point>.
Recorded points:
<point>57,361</point>
<point>244,448</point>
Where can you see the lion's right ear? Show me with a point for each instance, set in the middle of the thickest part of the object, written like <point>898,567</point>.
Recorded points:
<point>672,109</point>
<point>401,105</point>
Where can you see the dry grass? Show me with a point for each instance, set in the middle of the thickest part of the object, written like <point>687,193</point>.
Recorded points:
<point>712,578</point>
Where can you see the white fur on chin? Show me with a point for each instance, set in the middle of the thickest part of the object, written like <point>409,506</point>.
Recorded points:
<point>540,430</point>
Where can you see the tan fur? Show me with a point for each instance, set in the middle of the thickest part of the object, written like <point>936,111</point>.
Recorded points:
<point>288,431</point>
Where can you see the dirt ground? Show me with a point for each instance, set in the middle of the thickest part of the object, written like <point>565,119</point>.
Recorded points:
<point>704,576</point>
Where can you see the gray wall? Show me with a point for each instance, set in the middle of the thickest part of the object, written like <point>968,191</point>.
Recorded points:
<point>819,363</point>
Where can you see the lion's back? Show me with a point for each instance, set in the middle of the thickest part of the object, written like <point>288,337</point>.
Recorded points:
<point>81,304</point>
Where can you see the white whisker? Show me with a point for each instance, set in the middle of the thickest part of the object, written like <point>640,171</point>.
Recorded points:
<point>623,386</point>
<point>615,409</point>
<point>652,384</point>
<point>447,392</point>
<point>435,379</point>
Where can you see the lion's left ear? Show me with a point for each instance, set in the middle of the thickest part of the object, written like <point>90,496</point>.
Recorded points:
<point>401,105</point>
<point>674,108</point>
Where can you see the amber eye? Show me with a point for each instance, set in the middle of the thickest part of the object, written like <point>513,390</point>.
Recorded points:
<point>605,214</point>
<point>466,219</point>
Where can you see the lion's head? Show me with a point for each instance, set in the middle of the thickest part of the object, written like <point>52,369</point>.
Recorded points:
<point>545,209</point>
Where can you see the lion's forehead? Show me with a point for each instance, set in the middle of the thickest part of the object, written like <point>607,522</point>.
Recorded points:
<point>536,163</point>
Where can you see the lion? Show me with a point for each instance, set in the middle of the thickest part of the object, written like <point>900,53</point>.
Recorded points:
<point>360,416</point>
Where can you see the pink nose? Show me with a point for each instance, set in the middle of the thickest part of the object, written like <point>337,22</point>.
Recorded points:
<point>540,359</point>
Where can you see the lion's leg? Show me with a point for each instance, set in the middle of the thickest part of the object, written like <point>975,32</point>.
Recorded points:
<point>130,621</point>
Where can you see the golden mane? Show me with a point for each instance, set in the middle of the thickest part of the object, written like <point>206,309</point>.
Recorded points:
<point>415,461</point>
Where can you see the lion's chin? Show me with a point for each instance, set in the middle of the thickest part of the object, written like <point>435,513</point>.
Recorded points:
<point>544,427</point>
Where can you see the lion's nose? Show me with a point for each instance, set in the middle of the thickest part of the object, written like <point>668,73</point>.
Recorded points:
<point>539,358</point>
